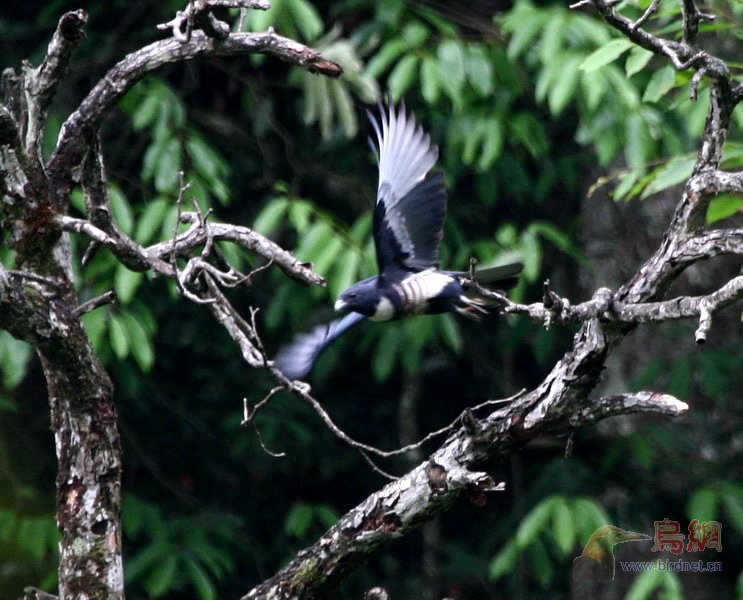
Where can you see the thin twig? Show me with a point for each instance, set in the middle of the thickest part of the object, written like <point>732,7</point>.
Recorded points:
<point>374,467</point>
<point>646,15</point>
<point>107,298</point>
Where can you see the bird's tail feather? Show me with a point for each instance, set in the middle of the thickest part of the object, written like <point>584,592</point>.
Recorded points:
<point>504,275</point>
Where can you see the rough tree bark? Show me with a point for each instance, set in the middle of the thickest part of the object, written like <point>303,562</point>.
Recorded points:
<point>38,303</point>
<point>562,399</point>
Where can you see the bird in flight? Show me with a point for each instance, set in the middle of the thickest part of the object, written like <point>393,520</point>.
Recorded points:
<point>408,225</point>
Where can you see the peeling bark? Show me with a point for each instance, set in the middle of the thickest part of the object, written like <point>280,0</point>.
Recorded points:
<point>38,303</point>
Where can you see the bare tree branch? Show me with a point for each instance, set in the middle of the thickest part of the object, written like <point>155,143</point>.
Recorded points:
<point>81,126</point>
<point>198,13</point>
<point>41,83</point>
<point>429,490</point>
<point>563,397</point>
<point>606,307</point>
<point>38,304</point>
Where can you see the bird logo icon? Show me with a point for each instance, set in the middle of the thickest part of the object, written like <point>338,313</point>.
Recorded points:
<point>597,559</point>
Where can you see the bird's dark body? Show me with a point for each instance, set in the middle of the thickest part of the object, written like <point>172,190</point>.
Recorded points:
<point>426,292</point>
<point>408,226</point>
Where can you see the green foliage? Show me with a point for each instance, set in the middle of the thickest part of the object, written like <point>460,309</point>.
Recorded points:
<point>175,554</point>
<point>302,518</point>
<point>175,146</point>
<point>522,116</point>
<point>716,501</point>
<point>329,100</point>
<point>28,544</point>
<point>297,19</point>
<point>14,357</point>
<point>549,534</point>
<point>656,584</point>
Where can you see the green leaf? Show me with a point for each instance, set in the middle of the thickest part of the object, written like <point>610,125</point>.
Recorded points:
<point>385,354</point>
<point>563,88</point>
<point>414,34</point>
<point>161,580</point>
<point>430,80</point>
<point>722,207</point>
<point>167,171</point>
<point>271,216</point>
<point>299,520</point>
<point>588,515</point>
<point>140,343</point>
<point>594,86</point>
<point>523,24</point>
<point>702,505</point>
<point>151,220</point>
<point>479,68</point>
<point>313,241</point>
<point>505,561</point>
<point>644,585</point>
<point>388,54</point>
<point>145,113</point>
<point>660,84</point>
<point>122,212</point>
<point>325,106</point>
<point>118,337</point>
<point>451,333</point>
<point>326,515</point>
<point>535,522</point>
<point>306,18</point>
<point>624,88</point>
<point>260,20</point>
<point>207,162</point>
<point>732,499</point>
<point>563,528</point>
<point>492,144</point>
<point>532,253</point>
<point>678,170</point>
<point>553,37</point>
<point>148,558</point>
<point>451,66</point>
<point>636,60</point>
<point>401,77</point>
<point>607,53</point>
<point>299,215</point>
<point>126,283</point>
<point>541,565</point>
<point>328,254</point>
<point>638,143</point>
<point>344,108</point>
<point>528,130</point>
<point>345,273</point>
<point>15,356</point>
<point>201,581</point>
<point>95,323</point>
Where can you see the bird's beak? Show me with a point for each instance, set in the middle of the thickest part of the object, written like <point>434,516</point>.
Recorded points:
<point>340,305</point>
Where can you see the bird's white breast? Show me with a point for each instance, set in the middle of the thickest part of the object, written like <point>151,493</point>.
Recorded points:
<point>384,311</point>
<point>415,290</point>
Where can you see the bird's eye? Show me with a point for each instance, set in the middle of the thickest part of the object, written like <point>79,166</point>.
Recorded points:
<point>352,294</point>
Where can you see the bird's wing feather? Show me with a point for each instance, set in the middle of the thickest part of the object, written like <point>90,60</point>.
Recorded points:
<point>411,202</point>
<point>506,276</point>
<point>297,359</point>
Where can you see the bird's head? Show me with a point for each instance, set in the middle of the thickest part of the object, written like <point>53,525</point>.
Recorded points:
<point>361,297</point>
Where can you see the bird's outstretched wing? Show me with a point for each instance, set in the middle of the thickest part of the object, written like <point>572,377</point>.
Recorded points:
<point>296,359</point>
<point>411,202</point>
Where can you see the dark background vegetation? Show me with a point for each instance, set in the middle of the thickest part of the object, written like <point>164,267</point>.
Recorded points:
<point>564,163</point>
